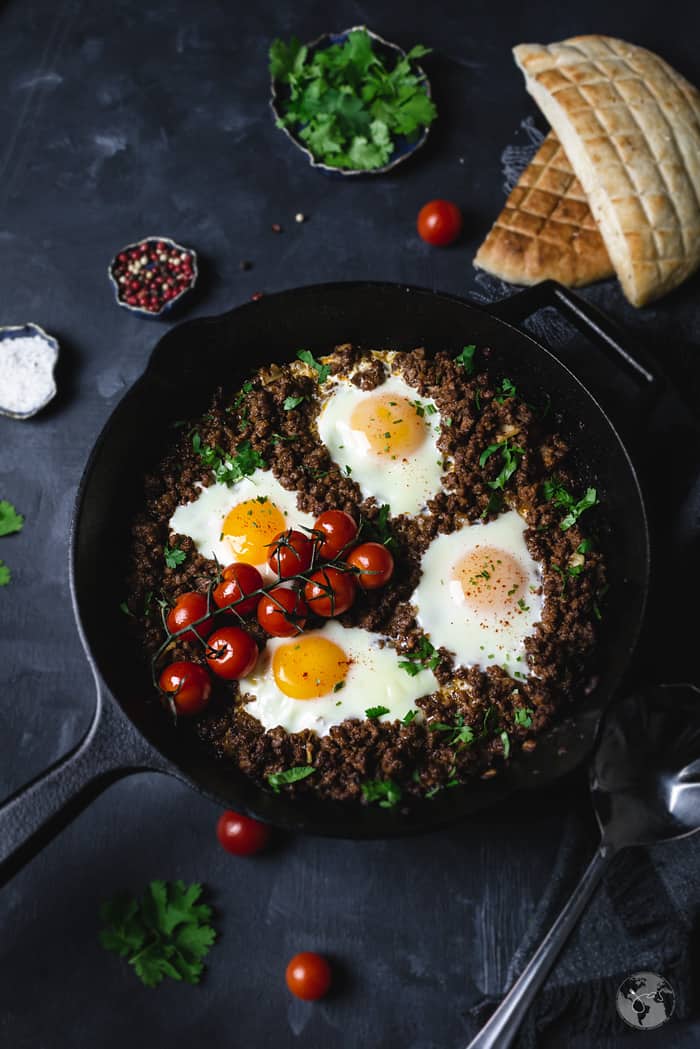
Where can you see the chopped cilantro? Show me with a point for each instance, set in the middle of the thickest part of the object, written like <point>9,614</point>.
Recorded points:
<point>385,791</point>
<point>338,685</point>
<point>292,402</point>
<point>227,471</point>
<point>424,657</point>
<point>174,556</point>
<point>293,775</point>
<point>554,491</point>
<point>466,358</point>
<point>508,390</point>
<point>348,470</point>
<point>523,716</point>
<point>376,712</point>
<point>165,933</point>
<point>511,455</point>
<point>322,370</point>
<point>505,740</point>
<point>347,103</point>
<point>459,734</point>
<point>409,717</point>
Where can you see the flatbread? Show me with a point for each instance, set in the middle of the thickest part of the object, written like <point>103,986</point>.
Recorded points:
<point>546,229</point>
<point>630,125</point>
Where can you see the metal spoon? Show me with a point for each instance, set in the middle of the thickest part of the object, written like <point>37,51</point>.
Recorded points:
<point>645,786</point>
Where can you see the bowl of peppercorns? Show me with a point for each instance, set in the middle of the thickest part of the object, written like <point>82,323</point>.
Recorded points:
<point>152,274</point>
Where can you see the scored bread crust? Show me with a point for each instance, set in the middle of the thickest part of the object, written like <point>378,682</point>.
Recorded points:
<point>546,229</point>
<point>630,125</point>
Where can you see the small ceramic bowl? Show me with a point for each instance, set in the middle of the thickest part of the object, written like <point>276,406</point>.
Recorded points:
<point>174,273</point>
<point>27,382</point>
<point>403,147</point>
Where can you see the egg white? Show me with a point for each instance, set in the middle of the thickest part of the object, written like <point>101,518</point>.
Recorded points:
<point>202,519</point>
<point>374,678</point>
<point>405,483</point>
<point>478,638</point>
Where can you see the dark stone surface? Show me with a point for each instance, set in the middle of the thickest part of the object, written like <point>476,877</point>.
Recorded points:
<point>130,119</point>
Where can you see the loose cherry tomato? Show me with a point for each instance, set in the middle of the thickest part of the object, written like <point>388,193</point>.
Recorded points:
<point>189,686</point>
<point>240,835</point>
<point>375,564</point>
<point>439,222</point>
<point>291,553</point>
<point>285,621</point>
<point>187,609</point>
<point>339,530</point>
<point>308,976</point>
<point>231,652</point>
<point>239,580</point>
<point>330,592</point>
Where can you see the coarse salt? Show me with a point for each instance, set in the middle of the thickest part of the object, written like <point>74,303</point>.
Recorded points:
<point>26,374</point>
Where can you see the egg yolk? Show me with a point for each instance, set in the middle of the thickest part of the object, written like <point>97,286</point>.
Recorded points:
<point>390,423</point>
<point>309,668</point>
<point>250,527</point>
<point>491,580</point>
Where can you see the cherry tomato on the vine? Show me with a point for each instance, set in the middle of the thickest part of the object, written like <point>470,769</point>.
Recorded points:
<point>439,222</point>
<point>239,580</point>
<point>290,553</point>
<point>231,652</point>
<point>330,592</point>
<point>282,612</point>
<point>308,976</point>
<point>188,608</point>
<point>188,684</point>
<point>375,564</point>
<point>338,528</point>
<point>240,835</point>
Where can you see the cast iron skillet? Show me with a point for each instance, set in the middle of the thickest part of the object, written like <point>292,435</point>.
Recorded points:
<point>129,734</point>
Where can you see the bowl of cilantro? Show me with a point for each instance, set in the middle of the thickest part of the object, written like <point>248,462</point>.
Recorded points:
<point>353,102</point>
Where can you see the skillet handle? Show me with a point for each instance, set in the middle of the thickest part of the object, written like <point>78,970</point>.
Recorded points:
<point>589,320</point>
<point>37,812</point>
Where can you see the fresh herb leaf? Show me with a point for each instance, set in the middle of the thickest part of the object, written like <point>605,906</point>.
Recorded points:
<point>523,716</point>
<point>346,103</point>
<point>174,556</point>
<point>123,607</point>
<point>227,471</point>
<point>554,491</point>
<point>424,657</point>
<point>385,791</point>
<point>466,358</point>
<point>5,574</point>
<point>508,390</point>
<point>505,740</point>
<point>376,712</point>
<point>10,520</point>
<point>322,370</point>
<point>511,454</point>
<point>460,735</point>
<point>165,933</point>
<point>409,717</point>
<point>584,547</point>
<point>292,402</point>
<point>293,775</point>
<point>338,686</point>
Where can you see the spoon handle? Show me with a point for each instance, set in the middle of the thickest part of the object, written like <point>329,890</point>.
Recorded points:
<point>502,1026</point>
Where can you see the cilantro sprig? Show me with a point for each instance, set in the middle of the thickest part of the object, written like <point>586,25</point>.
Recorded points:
<point>555,492</point>
<point>385,791</point>
<point>277,780</point>
<point>376,712</point>
<point>166,932</point>
<point>322,370</point>
<point>228,470</point>
<point>10,522</point>
<point>511,454</point>
<point>346,103</point>
<point>522,716</point>
<point>466,358</point>
<point>423,657</point>
<point>174,556</point>
<point>458,734</point>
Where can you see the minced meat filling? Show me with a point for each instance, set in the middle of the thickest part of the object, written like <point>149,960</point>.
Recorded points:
<point>484,715</point>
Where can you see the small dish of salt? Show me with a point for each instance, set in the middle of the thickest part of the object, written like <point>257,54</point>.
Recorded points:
<point>28,356</point>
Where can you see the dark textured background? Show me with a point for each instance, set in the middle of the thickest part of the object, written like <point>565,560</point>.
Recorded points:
<point>127,119</point>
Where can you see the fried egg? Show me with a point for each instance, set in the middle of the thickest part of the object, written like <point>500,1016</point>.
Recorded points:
<point>386,440</point>
<point>325,676</point>
<point>238,523</point>
<point>480,594</point>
